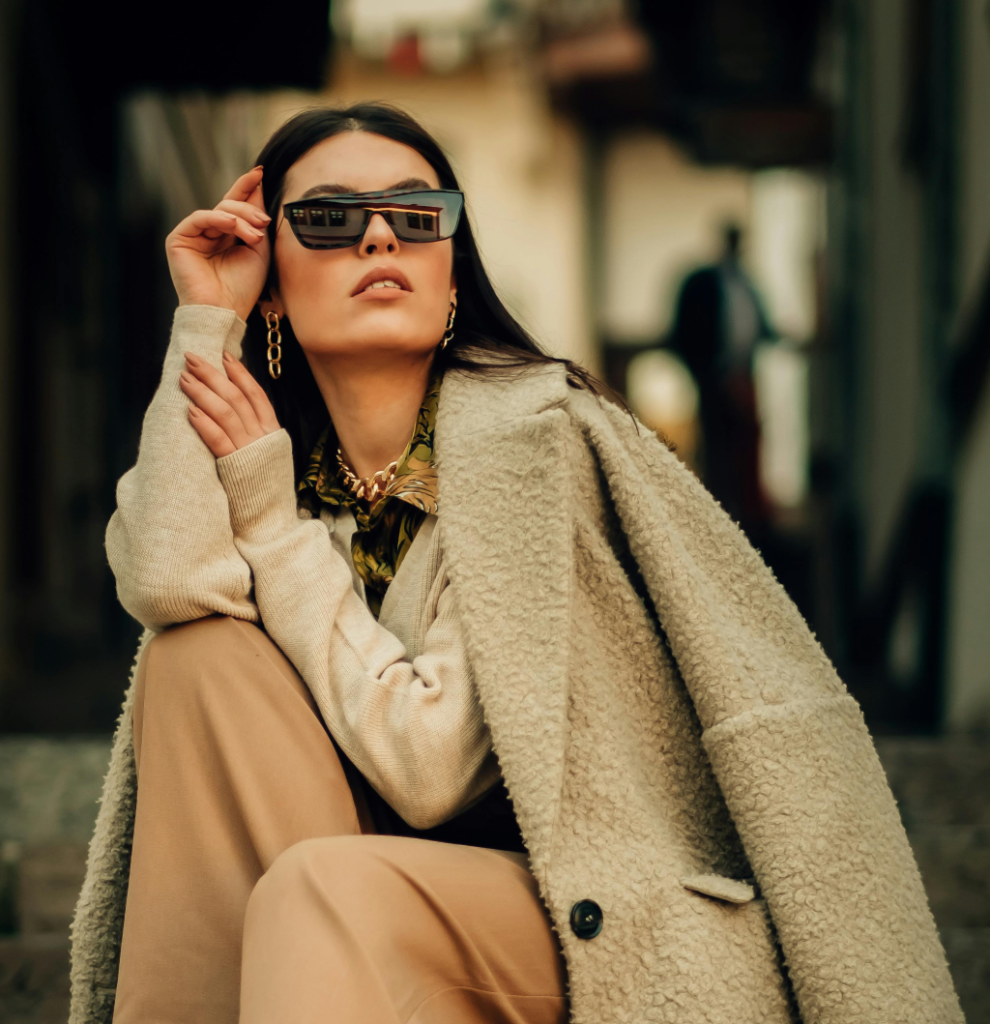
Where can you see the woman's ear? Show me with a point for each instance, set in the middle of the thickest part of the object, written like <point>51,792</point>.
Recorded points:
<point>271,303</point>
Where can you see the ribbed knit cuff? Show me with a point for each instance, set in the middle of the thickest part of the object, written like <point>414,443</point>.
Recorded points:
<point>260,483</point>
<point>208,331</point>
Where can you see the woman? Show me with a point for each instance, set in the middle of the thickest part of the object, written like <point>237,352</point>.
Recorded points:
<point>397,566</point>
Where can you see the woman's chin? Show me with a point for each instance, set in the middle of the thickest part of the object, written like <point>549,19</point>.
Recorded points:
<point>378,344</point>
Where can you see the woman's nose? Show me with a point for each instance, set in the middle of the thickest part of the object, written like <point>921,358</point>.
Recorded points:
<point>378,237</point>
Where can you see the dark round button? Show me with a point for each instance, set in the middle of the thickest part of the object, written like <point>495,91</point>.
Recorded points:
<point>586,919</point>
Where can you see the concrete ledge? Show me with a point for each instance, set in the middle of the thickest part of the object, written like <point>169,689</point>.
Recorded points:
<point>49,787</point>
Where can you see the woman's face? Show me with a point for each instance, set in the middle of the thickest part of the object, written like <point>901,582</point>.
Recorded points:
<point>324,293</point>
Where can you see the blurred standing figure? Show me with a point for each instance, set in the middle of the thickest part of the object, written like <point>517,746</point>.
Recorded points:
<point>718,322</point>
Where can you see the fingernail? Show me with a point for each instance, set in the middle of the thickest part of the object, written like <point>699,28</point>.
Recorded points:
<point>264,217</point>
<point>190,358</point>
<point>227,355</point>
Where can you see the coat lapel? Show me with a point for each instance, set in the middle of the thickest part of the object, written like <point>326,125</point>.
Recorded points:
<point>502,460</point>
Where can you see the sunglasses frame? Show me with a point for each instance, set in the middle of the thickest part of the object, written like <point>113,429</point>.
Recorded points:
<point>369,200</point>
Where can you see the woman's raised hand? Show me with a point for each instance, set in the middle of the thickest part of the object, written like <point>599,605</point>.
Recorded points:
<point>229,410</point>
<point>208,265</point>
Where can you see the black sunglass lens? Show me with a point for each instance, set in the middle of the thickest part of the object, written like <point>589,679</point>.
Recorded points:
<point>416,224</point>
<point>429,216</point>
<point>326,227</point>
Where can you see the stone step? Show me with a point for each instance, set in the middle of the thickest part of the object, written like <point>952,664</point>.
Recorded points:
<point>49,789</point>
<point>938,780</point>
<point>49,878</point>
<point>968,952</point>
<point>34,980</point>
<point>954,861</point>
<point>34,969</point>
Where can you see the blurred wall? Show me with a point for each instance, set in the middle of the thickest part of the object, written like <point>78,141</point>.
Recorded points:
<point>969,631</point>
<point>7,14</point>
<point>888,432</point>
<point>909,247</point>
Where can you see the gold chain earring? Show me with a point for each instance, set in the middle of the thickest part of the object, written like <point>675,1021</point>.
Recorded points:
<point>448,336</point>
<point>274,345</point>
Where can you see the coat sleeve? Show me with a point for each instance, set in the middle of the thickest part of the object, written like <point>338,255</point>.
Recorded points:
<point>787,744</point>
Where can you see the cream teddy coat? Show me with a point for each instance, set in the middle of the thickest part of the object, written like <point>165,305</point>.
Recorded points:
<point>677,747</point>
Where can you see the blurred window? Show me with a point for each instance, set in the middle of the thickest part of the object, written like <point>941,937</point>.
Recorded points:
<point>663,394</point>
<point>781,377</point>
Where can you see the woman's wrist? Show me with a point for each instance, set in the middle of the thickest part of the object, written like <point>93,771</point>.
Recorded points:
<point>215,302</point>
<point>217,308</point>
<point>203,318</point>
<point>259,480</point>
<point>207,331</point>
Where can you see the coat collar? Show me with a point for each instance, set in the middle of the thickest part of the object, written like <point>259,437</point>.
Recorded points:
<point>471,404</point>
<point>502,460</point>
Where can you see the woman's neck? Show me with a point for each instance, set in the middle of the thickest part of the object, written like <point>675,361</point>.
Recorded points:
<point>373,405</point>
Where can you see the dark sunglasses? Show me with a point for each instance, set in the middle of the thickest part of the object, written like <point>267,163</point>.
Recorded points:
<point>339,221</point>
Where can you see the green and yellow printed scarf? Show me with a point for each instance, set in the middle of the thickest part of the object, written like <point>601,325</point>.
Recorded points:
<point>384,534</point>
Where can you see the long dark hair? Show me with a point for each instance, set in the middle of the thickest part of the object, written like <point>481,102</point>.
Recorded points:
<point>487,339</point>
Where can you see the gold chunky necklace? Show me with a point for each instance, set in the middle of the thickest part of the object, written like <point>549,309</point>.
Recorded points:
<point>373,487</point>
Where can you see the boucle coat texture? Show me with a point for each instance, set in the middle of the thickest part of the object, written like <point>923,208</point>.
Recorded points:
<point>676,744</point>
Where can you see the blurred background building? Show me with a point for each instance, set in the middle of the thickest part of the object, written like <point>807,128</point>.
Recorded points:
<point>826,374</point>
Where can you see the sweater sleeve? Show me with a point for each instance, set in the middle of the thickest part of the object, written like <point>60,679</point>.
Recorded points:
<point>414,727</point>
<point>170,543</point>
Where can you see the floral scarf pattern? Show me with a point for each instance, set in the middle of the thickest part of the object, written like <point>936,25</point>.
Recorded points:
<point>384,533</point>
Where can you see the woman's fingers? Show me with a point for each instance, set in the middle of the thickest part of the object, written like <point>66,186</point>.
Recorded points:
<point>207,226</point>
<point>201,222</point>
<point>246,211</point>
<point>252,391</point>
<point>218,409</point>
<point>257,198</point>
<point>228,392</point>
<point>247,189</point>
<point>247,233</point>
<point>241,190</point>
<point>213,437</point>
<point>235,401</point>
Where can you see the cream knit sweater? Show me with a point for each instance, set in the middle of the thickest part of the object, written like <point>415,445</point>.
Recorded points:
<point>194,535</point>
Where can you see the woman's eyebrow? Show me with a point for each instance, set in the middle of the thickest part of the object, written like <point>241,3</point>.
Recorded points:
<point>326,190</point>
<point>335,190</point>
<point>410,183</point>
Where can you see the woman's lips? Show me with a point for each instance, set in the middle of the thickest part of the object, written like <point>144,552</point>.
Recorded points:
<point>381,294</point>
<point>382,279</point>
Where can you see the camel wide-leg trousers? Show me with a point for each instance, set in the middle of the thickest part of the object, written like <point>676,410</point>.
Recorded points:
<point>257,893</point>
